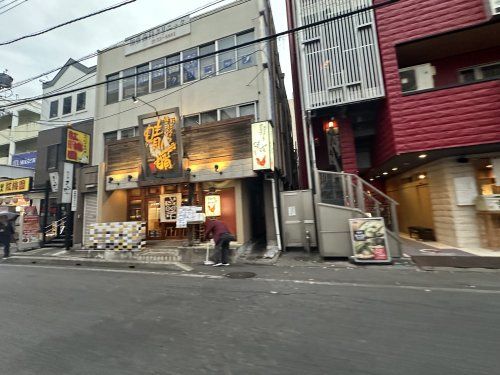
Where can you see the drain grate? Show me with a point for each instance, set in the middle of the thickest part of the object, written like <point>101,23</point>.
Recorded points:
<point>240,275</point>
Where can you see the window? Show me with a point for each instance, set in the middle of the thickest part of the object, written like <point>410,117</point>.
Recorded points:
<point>66,105</point>
<point>142,80</point>
<point>128,84</point>
<point>247,110</point>
<point>54,106</point>
<point>227,59</point>
<point>227,113</point>
<point>207,63</point>
<point>246,55</point>
<point>478,73</point>
<point>52,156</point>
<point>110,136</point>
<point>128,133</point>
<point>190,69</point>
<point>173,72</point>
<point>207,117</point>
<point>81,101</point>
<point>158,76</point>
<point>192,120</point>
<point>112,89</point>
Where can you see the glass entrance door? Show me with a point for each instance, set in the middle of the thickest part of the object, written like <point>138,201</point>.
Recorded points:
<point>153,220</point>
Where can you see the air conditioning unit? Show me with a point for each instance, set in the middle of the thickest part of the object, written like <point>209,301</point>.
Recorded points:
<point>493,7</point>
<point>418,77</point>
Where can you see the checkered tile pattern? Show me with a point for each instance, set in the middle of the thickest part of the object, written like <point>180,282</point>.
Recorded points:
<point>120,236</point>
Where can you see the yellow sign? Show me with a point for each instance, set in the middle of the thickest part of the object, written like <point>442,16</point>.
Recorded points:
<point>212,206</point>
<point>77,147</point>
<point>18,185</point>
<point>160,143</point>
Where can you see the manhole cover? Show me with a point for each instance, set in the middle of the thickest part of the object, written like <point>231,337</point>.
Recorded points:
<point>240,275</point>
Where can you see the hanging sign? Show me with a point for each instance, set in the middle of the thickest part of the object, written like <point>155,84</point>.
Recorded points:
<point>262,146</point>
<point>25,160</point>
<point>67,183</point>
<point>77,146</point>
<point>158,35</point>
<point>169,204</point>
<point>369,240</point>
<point>74,200</point>
<point>17,185</point>
<point>212,205</point>
<point>54,181</point>
<point>160,142</point>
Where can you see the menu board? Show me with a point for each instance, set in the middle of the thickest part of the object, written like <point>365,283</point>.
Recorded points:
<point>189,215</point>
<point>369,240</point>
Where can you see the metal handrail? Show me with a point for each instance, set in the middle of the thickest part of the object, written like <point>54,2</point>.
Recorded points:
<point>362,181</point>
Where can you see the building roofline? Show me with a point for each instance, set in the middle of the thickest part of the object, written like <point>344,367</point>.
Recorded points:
<point>71,62</point>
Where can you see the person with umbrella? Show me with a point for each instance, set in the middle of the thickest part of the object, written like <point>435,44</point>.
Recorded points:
<point>6,231</point>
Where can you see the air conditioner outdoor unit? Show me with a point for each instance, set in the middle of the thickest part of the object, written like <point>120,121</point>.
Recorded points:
<point>418,77</point>
<point>493,7</point>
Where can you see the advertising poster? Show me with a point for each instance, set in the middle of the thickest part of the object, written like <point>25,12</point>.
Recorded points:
<point>262,146</point>
<point>369,240</point>
<point>169,204</point>
<point>30,225</point>
<point>212,206</point>
<point>77,147</point>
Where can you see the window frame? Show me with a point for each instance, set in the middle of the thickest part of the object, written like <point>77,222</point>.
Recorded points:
<point>56,160</point>
<point>197,115</point>
<point>235,65</point>
<point>164,72</point>
<point>78,96</point>
<point>56,102</point>
<point>64,101</point>
<point>178,67</point>
<point>239,50</point>
<point>131,79</point>
<point>118,88</point>
<point>196,62</point>
<point>477,71</point>
<point>139,74</point>
<point>208,58</point>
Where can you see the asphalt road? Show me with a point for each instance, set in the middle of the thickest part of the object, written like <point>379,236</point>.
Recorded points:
<point>80,321</point>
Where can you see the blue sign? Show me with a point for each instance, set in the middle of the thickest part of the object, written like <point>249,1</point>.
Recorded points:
<point>25,160</point>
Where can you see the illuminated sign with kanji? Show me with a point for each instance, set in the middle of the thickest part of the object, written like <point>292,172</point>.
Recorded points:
<point>160,141</point>
<point>18,185</point>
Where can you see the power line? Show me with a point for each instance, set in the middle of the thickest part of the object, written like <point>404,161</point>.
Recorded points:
<point>12,7</point>
<point>118,45</point>
<point>242,45</point>
<point>119,5</point>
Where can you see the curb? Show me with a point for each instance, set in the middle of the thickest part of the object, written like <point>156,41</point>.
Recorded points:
<point>171,266</point>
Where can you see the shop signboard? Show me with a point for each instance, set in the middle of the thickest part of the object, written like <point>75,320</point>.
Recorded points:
<point>77,146</point>
<point>74,200</point>
<point>169,204</point>
<point>161,146</point>
<point>189,215</point>
<point>17,185</point>
<point>369,240</point>
<point>31,225</point>
<point>54,181</point>
<point>212,206</point>
<point>25,160</point>
<point>161,34</point>
<point>67,183</point>
<point>262,146</point>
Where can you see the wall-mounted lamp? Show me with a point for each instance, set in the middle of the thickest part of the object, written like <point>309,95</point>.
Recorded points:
<point>135,99</point>
<point>130,177</point>
<point>110,179</point>
<point>216,168</point>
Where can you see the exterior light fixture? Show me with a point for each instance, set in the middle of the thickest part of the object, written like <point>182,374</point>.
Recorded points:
<point>130,177</point>
<point>422,156</point>
<point>422,176</point>
<point>489,166</point>
<point>135,100</point>
<point>216,169</point>
<point>331,126</point>
<point>372,179</point>
<point>377,176</point>
<point>385,173</point>
<point>110,179</point>
<point>395,168</point>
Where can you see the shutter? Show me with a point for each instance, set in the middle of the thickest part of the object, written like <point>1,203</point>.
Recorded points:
<point>89,214</point>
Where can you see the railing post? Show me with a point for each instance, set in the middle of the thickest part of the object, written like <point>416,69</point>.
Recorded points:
<point>317,179</point>
<point>394,219</point>
<point>350,191</point>
<point>359,194</point>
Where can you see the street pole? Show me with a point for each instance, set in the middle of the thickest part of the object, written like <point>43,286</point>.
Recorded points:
<point>190,203</point>
<point>45,212</point>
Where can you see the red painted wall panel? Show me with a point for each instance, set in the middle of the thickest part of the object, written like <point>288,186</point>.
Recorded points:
<point>348,147</point>
<point>446,118</point>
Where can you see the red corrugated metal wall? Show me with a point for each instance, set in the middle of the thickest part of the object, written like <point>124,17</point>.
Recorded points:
<point>444,118</point>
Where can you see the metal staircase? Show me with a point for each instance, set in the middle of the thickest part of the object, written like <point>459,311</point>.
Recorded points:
<point>343,196</point>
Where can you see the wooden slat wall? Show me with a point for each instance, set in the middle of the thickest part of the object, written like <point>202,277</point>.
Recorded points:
<point>123,155</point>
<point>223,141</point>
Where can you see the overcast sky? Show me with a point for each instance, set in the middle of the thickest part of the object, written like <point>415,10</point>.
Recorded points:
<point>30,57</point>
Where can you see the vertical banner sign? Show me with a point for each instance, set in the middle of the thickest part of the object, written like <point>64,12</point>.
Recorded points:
<point>212,206</point>
<point>67,183</point>
<point>74,200</point>
<point>169,204</point>
<point>54,181</point>
<point>369,240</point>
<point>77,147</point>
<point>262,146</point>
<point>161,146</point>
<point>31,225</point>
